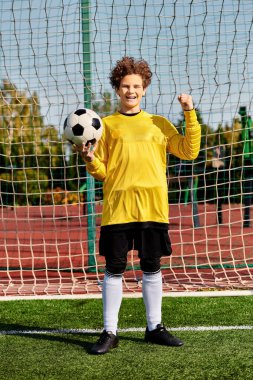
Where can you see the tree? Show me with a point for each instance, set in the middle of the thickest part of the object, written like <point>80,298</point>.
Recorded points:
<point>106,106</point>
<point>25,149</point>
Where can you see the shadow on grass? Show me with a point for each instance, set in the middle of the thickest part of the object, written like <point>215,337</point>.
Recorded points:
<point>52,336</point>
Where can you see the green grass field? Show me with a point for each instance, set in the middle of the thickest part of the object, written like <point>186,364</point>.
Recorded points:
<point>224,354</point>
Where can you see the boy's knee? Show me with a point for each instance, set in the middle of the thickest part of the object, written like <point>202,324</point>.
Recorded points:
<point>116,266</point>
<point>150,265</point>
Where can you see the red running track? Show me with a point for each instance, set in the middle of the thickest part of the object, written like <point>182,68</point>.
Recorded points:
<point>44,250</point>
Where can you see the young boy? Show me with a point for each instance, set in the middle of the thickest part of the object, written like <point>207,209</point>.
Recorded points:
<point>130,159</point>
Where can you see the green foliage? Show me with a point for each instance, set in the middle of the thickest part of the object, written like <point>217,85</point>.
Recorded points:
<point>105,106</point>
<point>29,150</point>
<point>231,139</point>
<point>23,186</point>
<point>33,156</point>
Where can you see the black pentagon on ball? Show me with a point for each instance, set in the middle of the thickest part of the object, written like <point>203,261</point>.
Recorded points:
<point>65,123</point>
<point>96,123</point>
<point>77,130</point>
<point>80,112</point>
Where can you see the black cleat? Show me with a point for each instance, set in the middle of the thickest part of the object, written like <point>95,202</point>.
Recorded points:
<point>161,336</point>
<point>106,341</point>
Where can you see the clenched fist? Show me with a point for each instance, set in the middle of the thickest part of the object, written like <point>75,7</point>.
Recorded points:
<point>186,102</point>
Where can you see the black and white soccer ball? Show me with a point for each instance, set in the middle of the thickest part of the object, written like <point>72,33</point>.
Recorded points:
<point>83,126</point>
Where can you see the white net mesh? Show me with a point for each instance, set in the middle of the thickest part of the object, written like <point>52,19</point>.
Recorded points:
<point>54,60</point>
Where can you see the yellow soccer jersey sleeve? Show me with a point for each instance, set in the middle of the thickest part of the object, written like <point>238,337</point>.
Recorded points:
<point>131,162</point>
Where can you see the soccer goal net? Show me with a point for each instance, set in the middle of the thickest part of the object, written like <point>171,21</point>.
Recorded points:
<point>55,57</point>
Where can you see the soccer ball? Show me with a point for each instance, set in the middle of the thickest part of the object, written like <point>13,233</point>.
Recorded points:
<point>82,126</point>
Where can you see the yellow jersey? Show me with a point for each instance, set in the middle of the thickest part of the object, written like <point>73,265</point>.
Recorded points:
<point>131,161</point>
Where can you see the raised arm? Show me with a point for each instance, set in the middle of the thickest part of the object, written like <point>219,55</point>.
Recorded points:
<point>186,147</point>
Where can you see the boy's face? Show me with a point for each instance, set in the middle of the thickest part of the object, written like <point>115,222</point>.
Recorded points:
<point>131,92</point>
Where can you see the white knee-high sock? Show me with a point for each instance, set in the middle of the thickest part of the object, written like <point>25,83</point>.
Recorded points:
<point>152,296</point>
<point>112,297</point>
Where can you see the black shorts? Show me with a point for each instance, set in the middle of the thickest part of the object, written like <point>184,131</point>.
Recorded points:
<point>149,242</point>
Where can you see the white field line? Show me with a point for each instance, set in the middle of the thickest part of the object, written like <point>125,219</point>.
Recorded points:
<point>133,329</point>
<point>204,293</point>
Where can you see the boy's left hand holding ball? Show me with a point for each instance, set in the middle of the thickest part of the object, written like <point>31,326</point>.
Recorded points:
<point>87,151</point>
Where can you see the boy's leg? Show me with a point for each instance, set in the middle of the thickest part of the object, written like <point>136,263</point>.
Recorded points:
<point>151,244</point>
<point>152,291</point>
<point>152,296</point>
<point>115,248</point>
<point>112,298</point>
<point>112,289</point>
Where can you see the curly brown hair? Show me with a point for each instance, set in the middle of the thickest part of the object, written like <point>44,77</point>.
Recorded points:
<point>128,66</point>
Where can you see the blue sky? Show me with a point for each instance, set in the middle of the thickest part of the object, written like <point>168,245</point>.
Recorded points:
<point>200,47</point>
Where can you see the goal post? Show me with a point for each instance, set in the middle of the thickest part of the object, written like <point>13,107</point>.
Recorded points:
<point>90,181</point>
<point>56,57</point>
<point>247,163</point>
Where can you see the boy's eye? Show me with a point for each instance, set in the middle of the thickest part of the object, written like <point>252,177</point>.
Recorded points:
<point>136,86</point>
